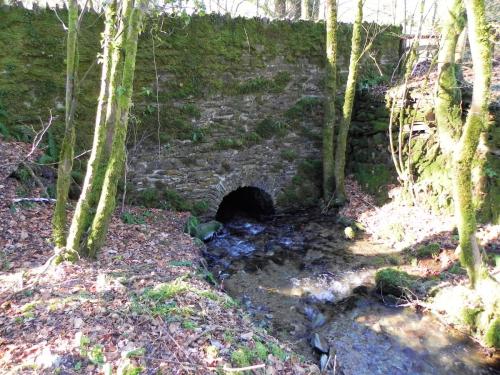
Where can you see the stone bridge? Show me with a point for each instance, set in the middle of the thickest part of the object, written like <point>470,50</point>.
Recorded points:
<point>248,140</point>
<point>261,127</point>
<point>229,103</point>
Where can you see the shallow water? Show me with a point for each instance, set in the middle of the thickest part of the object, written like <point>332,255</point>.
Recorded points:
<point>298,276</point>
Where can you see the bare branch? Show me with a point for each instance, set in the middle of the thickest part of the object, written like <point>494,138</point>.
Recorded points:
<point>60,20</point>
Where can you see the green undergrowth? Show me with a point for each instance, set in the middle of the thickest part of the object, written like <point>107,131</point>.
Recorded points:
<point>245,356</point>
<point>270,127</point>
<point>305,108</point>
<point>163,300</point>
<point>135,218</point>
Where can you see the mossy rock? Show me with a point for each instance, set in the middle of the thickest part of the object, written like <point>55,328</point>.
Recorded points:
<point>394,282</point>
<point>492,336</point>
<point>469,316</point>
<point>428,251</point>
<point>206,231</point>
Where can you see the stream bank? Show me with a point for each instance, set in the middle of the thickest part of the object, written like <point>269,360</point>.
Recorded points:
<point>300,277</point>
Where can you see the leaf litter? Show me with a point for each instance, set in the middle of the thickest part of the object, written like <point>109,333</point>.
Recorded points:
<point>144,306</point>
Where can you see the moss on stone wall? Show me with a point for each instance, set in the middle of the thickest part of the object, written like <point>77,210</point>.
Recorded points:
<point>432,171</point>
<point>305,189</point>
<point>210,62</point>
<point>209,56</point>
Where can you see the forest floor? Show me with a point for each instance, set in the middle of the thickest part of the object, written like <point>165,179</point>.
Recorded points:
<point>148,303</point>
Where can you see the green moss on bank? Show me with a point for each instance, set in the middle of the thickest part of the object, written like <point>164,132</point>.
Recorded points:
<point>395,282</point>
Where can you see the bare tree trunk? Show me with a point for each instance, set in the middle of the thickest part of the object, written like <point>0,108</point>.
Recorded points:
<point>459,55</point>
<point>465,151</point>
<point>280,8</point>
<point>116,161</point>
<point>305,9</point>
<point>448,97</point>
<point>68,144</point>
<point>331,91</point>
<point>350,92</point>
<point>81,216</point>
<point>293,9</point>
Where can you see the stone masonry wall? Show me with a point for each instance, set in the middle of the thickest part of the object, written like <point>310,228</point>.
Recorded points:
<point>239,101</point>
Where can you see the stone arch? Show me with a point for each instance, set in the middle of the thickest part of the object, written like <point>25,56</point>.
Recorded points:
<point>246,201</point>
<point>227,184</point>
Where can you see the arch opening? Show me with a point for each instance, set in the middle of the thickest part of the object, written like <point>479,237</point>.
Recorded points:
<point>248,201</point>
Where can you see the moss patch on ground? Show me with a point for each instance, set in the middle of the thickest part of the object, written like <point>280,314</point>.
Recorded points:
<point>395,282</point>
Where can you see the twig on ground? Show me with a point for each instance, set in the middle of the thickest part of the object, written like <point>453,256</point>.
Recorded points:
<point>43,200</point>
<point>187,364</point>
<point>233,369</point>
<point>196,337</point>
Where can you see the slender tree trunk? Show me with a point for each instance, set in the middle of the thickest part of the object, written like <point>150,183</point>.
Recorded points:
<point>350,92</point>
<point>280,8</point>
<point>447,101</point>
<point>84,205</point>
<point>293,9</point>
<point>465,151</point>
<point>305,9</point>
<point>459,55</point>
<point>117,158</point>
<point>112,110</point>
<point>331,91</point>
<point>68,144</point>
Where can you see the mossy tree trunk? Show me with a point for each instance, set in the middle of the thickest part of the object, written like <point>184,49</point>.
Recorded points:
<point>448,96</point>
<point>350,91</point>
<point>105,106</point>
<point>68,144</point>
<point>331,88</point>
<point>466,147</point>
<point>112,114</point>
<point>107,198</point>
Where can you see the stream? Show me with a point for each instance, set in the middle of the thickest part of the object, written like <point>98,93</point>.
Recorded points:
<point>298,276</point>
